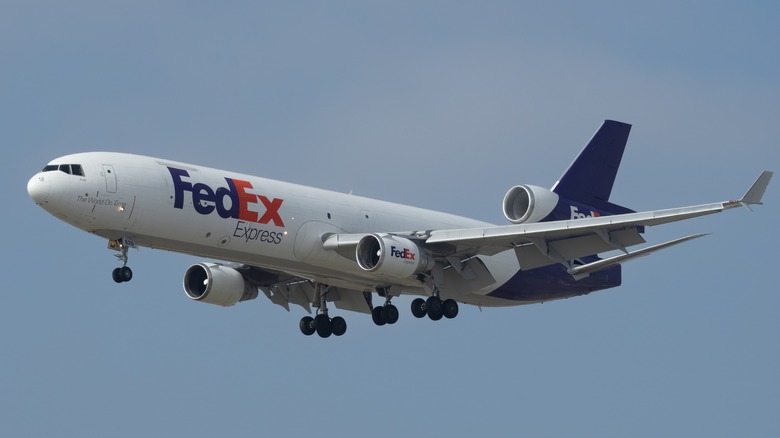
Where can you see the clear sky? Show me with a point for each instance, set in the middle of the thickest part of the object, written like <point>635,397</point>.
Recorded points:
<point>437,104</point>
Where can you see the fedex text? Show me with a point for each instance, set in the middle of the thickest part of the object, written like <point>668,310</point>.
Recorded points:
<point>402,253</point>
<point>234,201</point>
<point>575,213</point>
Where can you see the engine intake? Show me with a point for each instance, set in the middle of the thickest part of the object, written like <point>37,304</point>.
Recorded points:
<point>527,203</point>
<point>217,284</point>
<point>392,256</point>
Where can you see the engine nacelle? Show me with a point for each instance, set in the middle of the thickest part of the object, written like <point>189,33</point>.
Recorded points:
<point>392,256</point>
<point>527,203</point>
<point>217,284</point>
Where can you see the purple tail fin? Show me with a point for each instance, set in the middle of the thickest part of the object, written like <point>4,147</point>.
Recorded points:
<point>589,179</point>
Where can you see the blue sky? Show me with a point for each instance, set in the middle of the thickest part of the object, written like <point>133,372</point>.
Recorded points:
<point>463,100</point>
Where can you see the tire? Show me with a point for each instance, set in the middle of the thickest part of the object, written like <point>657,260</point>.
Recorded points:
<point>323,326</point>
<point>126,273</point>
<point>339,326</point>
<point>418,307</point>
<point>116,275</point>
<point>378,315</point>
<point>433,306</point>
<point>450,308</point>
<point>307,325</point>
<point>391,314</point>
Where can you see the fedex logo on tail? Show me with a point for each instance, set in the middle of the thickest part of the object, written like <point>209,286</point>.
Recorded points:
<point>575,213</point>
<point>241,203</point>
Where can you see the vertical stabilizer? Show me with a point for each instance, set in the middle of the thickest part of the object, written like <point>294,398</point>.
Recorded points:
<point>589,179</point>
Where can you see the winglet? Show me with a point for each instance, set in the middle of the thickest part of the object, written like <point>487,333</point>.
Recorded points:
<point>756,191</point>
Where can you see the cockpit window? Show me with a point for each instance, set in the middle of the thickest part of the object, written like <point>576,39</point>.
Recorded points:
<point>70,169</point>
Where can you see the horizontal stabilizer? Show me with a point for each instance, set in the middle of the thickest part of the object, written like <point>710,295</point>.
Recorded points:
<point>756,191</point>
<point>580,271</point>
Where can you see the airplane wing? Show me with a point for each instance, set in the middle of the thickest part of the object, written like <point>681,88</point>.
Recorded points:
<point>544,243</point>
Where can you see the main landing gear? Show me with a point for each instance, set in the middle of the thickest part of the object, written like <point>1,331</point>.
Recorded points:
<point>435,308</point>
<point>322,324</point>
<point>386,314</point>
<point>123,273</point>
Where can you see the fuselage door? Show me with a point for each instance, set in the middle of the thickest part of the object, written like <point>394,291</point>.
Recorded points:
<point>108,173</point>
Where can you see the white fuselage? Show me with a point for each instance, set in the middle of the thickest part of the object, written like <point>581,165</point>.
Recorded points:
<point>245,219</point>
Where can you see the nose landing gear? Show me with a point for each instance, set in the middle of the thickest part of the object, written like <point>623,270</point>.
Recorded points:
<point>123,273</point>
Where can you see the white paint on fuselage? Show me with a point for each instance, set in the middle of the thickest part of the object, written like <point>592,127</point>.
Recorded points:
<point>132,196</point>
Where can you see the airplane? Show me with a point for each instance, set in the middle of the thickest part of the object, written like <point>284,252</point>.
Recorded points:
<point>311,247</point>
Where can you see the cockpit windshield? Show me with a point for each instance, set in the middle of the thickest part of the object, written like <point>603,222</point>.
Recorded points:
<point>70,169</point>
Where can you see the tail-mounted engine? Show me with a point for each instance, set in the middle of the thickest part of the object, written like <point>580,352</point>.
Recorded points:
<point>529,204</point>
<point>217,284</point>
<point>392,256</point>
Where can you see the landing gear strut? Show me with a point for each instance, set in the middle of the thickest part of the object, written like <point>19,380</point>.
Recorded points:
<point>322,324</point>
<point>123,273</point>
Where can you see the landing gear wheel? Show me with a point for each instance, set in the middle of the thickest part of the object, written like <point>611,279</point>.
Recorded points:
<point>418,307</point>
<point>123,274</point>
<point>378,315</point>
<point>126,273</point>
<point>323,326</point>
<point>116,275</point>
<point>450,308</point>
<point>339,326</point>
<point>391,314</point>
<point>307,325</point>
<point>433,306</point>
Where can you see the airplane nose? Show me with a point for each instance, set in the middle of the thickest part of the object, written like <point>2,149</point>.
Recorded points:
<point>38,188</point>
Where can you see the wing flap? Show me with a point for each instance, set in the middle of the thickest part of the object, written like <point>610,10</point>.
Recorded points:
<point>535,255</point>
<point>467,277</point>
<point>352,300</point>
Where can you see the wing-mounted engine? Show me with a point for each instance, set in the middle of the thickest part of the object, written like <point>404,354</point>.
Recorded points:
<point>526,203</point>
<point>217,284</point>
<point>393,256</point>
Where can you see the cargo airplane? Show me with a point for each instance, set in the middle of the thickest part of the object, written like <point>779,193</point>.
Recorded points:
<point>311,247</point>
